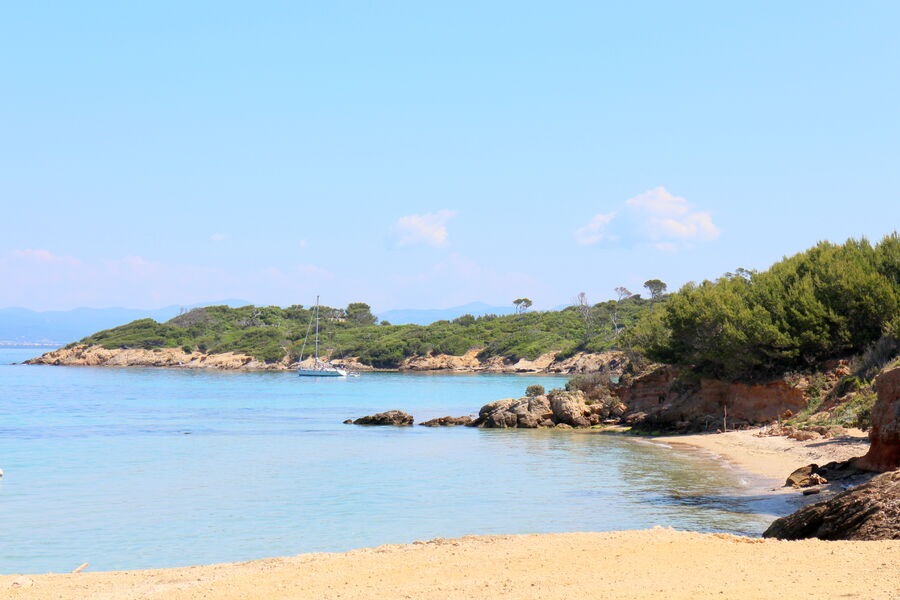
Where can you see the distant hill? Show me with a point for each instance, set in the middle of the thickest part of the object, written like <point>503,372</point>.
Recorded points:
<point>22,325</point>
<point>427,316</point>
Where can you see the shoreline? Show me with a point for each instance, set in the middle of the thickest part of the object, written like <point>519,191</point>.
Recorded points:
<point>669,564</point>
<point>772,458</point>
<point>80,355</point>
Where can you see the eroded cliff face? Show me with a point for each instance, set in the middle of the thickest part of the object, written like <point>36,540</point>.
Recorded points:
<point>545,363</point>
<point>97,356</point>
<point>884,452</point>
<point>664,398</point>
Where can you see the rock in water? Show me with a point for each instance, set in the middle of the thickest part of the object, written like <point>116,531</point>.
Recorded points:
<point>884,453</point>
<point>556,408</point>
<point>870,511</point>
<point>527,412</point>
<point>447,422</point>
<point>391,417</point>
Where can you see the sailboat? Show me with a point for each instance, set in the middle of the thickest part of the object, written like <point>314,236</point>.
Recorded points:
<point>319,368</point>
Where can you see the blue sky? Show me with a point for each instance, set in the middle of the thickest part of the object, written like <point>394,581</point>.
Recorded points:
<point>425,155</point>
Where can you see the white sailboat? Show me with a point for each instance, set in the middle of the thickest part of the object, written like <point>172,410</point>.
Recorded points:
<point>319,368</point>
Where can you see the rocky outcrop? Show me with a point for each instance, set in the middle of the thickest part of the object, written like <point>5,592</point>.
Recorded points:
<point>667,398</point>
<point>528,412</point>
<point>98,356</point>
<point>446,422</point>
<point>557,409</point>
<point>391,417</point>
<point>884,437</point>
<point>612,362</point>
<point>870,511</point>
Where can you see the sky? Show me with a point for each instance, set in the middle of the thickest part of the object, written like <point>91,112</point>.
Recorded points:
<point>423,154</point>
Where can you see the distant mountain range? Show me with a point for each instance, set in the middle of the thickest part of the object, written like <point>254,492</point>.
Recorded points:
<point>426,316</point>
<point>57,327</point>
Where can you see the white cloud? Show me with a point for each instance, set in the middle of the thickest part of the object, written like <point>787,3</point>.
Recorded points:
<point>594,231</point>
<point>655,216</point>
<point>218,237</point>
<point>303,244</point>
<point>429,228</point>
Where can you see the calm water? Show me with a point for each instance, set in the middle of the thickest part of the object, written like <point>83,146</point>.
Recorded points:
<point>134,468</point>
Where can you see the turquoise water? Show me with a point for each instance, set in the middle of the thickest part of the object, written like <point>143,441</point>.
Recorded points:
<point>139,468</point>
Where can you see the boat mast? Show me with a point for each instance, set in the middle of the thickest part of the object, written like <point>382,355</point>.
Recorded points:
<point>317,329</point>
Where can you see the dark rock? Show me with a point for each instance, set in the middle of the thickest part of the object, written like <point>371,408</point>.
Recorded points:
<point>447,422</point>
<point>870,511</point>
<point>391,417</point>
<point>805,477</point>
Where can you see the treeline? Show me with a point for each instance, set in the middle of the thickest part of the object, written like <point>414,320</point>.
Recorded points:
<point>272,333</point>
<point>829,301</point>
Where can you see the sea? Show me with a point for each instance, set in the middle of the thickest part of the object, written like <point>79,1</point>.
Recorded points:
<point>133,468</point>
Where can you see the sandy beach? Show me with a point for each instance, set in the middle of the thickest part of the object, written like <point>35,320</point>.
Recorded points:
<point>656,563</point>
<point>773,457</point>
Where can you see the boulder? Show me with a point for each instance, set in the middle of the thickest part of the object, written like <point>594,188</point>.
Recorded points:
<point>884,452</point>
<point>570,408</point>
<point>805,477</point>
<point>527,412</point>
<point>870,511</point>
<point>391,417</point>
<point>447,422</point>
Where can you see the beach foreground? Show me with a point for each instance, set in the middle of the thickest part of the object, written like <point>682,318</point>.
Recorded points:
<point>654,563</point>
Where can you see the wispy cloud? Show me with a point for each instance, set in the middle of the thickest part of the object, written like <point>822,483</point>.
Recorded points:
<point>595,230</point>
<point>656,216</point>
<point>218,237</point>
<point>429,229</point>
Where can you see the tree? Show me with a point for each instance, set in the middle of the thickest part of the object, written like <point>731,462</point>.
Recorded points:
<point>522,304</point>
<point>584,308</point>
<point>656,287</point>
<point>360,313</point>
<point>622,293</point>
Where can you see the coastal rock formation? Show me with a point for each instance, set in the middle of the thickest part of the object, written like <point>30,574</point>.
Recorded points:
<point>870,511</point>
<point>391,417</point>
<point>666,398</point>
<point>557,409</point>
<point>612,362</point>
<point>447,422</point>
<point>528,412</point>
<point>884,452</point>
<point>98,356</point>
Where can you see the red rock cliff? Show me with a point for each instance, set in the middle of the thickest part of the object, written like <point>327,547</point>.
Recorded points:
<point>701,405</point>
<point>884,453</point>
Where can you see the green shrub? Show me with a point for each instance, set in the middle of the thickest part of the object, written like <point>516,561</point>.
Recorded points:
<point>534,390</point>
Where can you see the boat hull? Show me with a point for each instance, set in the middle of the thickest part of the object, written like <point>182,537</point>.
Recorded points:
<point>317,373</point>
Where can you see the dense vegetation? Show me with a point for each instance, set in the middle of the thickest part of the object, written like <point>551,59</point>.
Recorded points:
<point>829,301</point>
<point>270,333</point>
